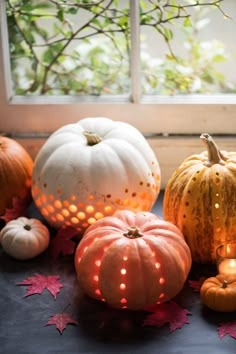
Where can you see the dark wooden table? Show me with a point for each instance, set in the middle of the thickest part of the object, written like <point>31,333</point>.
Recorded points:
<point>100,329</point>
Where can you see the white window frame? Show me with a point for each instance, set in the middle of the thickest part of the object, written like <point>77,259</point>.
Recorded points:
<point>168,122</point>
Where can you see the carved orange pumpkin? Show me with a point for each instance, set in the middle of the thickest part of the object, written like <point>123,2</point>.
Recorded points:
<point>90,169</point>
<point>200,199</point>
<point>219,293</point>
<point>132,260</point>
<point>15,173</point>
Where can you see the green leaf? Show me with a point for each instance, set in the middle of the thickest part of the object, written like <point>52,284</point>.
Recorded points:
<point>48,56</point>
<point>60,15</point>
<point>72,10</point>
<point>168,33</point>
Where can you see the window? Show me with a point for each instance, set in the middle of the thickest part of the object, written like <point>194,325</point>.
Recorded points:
<point>171,122</point>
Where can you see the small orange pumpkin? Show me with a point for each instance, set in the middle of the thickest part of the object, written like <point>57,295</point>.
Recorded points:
<point>132,260</point>
<point>219,293</point>
<point>16,168</point>
<point>200,199</point>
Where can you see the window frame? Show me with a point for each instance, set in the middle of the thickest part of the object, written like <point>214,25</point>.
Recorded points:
<point>172,125</point>
<point>189,114</point>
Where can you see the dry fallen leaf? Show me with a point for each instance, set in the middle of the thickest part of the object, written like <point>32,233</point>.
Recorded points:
<point>61,320</point>
<point>39,282</point>
<point>227,328</point>
<point>62,243</point>
<point>169,312</point>
<point>196,284</point>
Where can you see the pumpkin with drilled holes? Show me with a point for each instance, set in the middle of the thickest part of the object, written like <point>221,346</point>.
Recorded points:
<point>200,199</point>
<point>90,169</point>
<point>24,238</point>
<point>15,173</point>
<point>132,260</point>
<point>219,293</point>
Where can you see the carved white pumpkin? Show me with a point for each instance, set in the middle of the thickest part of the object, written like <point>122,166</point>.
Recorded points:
<point>90,169</point>
<point>24,238</point>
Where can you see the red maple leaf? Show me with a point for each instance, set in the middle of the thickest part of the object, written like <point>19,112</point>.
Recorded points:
<point>19,206</point>
<point>40,282</point>
<point>196,284</point>
<point>61,320</point>
<point>170,313</point>
<point>62,244</point>
<point>227,328</point>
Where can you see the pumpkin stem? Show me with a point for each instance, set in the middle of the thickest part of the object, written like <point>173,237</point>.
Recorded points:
<point>27,227</point>
<point>214,154</point>
<point>224,285</point>
<point>133,232</point>
<point>92,138</point>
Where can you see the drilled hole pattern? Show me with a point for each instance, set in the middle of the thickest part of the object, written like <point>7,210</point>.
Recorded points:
<point>121,284</point>
<point>216,205</point>
<point>81,214</point>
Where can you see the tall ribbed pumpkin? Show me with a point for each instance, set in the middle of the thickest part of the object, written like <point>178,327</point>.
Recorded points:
<point>90,169</point>
<point>200,199</point>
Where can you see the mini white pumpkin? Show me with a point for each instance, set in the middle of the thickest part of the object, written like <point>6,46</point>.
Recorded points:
<point>24,238</point>
<point>92,168</point>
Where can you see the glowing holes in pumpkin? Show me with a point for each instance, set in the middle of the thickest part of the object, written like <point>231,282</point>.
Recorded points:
<point>89,209</point>
<point>80,215</point>
<point>126,202</point>
<point>123,300</point>
<point>50,208</point>
<point>96,278</point>
<point>44,212</point>
<point>122,286</point>
<point>108,209</point>
<point>161,296</point>
<point>59,217</point>
<point>98,262</point>
<point>217,205</point>
<point>98,215</point>
<point>157,265</point>
<point>74,220</point>
<point>91,221</point>
<point>73,208</point>
<point>65,212</point>
<point>98,292</point>
<point>218,229</point>
<point>57,204</point>
<point>125,258</point>
<point>123,271</point>
<point>162,281</point>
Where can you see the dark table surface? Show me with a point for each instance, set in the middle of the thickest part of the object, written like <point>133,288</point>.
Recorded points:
<point>100,329</point>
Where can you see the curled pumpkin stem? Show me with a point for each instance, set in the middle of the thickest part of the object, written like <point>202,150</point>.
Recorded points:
<point>224,285</point>
<point>92,138</point>
<point>133,232</point>
<point>214,154</point>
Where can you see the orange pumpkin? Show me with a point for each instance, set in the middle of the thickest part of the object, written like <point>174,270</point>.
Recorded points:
<point>200,199</point>
<point>219,293</point>
<point>132,260</point>
<point>15,172</point>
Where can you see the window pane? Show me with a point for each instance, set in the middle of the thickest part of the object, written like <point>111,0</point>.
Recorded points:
<point>184,54</point>
<point>80,47</point>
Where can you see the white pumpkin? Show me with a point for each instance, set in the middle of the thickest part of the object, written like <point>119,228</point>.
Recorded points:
<point>90,169</point>
<point>24,238</point>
